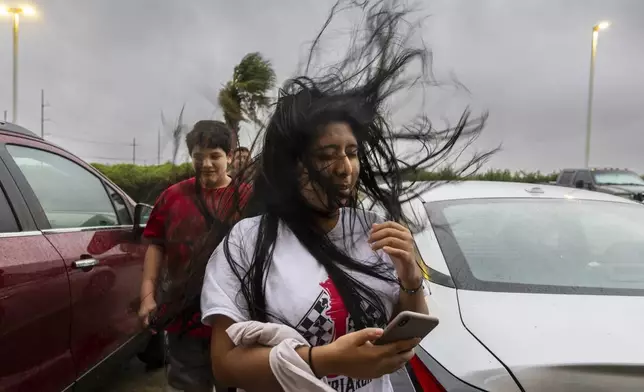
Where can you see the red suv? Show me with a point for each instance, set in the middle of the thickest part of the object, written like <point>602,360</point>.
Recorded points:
<point>71,260</point>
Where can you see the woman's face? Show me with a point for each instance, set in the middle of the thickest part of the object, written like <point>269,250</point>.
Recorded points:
<point>335,157</point>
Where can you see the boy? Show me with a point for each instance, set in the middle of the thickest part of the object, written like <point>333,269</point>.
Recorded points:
<point>179,223</point>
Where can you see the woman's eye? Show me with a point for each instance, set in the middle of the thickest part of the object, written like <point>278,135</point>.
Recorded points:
<point>352,153</point>
<point>326,157</point>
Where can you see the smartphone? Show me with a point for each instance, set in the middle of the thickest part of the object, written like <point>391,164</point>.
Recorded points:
<point>408,325</point>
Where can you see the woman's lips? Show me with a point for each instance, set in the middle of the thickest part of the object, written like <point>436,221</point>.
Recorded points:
<point>344,190</point>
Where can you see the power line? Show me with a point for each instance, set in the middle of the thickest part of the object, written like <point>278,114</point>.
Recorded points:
<point>124,160</point>
<point>134,151</point>
<point>107,159</point>
<point>91,141</point>
<point>42,113</point>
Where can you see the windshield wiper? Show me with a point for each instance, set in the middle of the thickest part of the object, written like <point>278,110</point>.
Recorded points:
<point>619,183</point>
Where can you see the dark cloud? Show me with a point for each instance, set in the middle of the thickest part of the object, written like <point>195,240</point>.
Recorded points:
<point>109,68</point>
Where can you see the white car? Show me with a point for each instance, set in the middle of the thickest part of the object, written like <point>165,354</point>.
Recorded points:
<point>537,288</point>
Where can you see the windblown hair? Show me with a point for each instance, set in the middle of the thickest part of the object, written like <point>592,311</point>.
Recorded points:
<point>378,67</point>
<point>355,92</point>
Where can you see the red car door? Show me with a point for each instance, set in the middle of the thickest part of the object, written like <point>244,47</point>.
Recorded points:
<point>35,314</point>
<point>90,225</point>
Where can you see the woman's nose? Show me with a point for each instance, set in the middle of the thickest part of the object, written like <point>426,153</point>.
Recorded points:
<point>343,166</point>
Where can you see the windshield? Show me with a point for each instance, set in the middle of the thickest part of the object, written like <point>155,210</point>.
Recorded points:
<point>617,178</point>
<point>542,245</point>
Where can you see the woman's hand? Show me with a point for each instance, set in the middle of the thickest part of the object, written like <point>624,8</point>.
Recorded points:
<point>396,241</point>
<point>353,355</point>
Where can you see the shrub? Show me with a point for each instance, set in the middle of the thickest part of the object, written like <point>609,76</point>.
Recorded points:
<point>145,183</point>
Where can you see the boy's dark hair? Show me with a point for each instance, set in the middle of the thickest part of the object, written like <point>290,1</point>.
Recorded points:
<point>241,149</point>
<point>210,134</point>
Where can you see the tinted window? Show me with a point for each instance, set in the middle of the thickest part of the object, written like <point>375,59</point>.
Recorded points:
<point>617,178</point>
<point>566,178</point>
<point>544,245</point>
<point>8,223</point>
<point>583,176</point>
<point>69,194</point>
<point>121,208</point>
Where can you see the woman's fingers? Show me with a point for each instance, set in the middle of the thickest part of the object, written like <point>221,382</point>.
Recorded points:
<point>378,233</point>
<point>397,254</point>
<point>389,224</point>
<point>402,346</point>
<point>395,362</point>
<point>391,242</point>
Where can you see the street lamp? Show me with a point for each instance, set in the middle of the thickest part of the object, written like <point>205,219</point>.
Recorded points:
<point>591,84</point>
<point>15,12</point>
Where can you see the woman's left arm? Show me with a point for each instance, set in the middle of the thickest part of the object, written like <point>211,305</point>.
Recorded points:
<point>396,241</point>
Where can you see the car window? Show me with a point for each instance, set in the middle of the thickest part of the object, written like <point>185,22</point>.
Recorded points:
<point>70,195</point>
<point>122,210</point>
<point>617,178</point>
<point>8,223</point>
<point>566,178</point>
<point>571,244</point>
<point>583,176</point>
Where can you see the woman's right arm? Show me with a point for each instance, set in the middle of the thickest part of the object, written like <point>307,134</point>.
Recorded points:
<point>352,355</point>
<point>233,365</point>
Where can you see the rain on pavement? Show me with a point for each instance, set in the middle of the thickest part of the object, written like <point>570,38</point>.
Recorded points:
<point>133,377</point>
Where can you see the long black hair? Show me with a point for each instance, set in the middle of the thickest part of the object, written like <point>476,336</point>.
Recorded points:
<point>355,91</point>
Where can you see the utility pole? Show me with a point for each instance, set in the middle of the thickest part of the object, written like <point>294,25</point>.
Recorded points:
<point>5,116</point>
<point>159,146</point>
<point>134,151</point>
<point>43,105</point>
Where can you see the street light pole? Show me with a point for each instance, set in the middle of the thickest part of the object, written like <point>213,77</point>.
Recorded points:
<point>16,28</point>
<point>15,13</point>
<point>591,87</point>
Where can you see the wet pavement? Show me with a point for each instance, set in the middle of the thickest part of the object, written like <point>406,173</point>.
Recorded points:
<point>133,377</point>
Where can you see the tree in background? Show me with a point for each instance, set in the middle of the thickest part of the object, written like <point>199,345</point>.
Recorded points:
<point>242,97</point>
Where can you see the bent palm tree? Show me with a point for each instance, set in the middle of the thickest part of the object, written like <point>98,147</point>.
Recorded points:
<point>242,97</point>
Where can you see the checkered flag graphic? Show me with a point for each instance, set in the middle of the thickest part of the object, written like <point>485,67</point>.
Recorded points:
<point>316,327</point>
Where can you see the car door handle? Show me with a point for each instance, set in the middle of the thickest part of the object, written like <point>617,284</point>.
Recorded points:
<point>85,263</point>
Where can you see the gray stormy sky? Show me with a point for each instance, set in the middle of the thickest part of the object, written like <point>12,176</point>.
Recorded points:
<point>110,67</point>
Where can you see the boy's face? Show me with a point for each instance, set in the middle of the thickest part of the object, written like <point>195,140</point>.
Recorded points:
<point>240,158</point>
<point>211,164</point>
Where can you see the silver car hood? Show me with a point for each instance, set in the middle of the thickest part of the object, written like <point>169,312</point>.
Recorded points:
<point>561,342</point>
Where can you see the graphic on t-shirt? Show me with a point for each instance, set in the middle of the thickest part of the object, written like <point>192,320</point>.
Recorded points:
<point>327,320</point>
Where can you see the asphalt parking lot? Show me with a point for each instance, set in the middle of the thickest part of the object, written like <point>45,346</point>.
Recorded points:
<point>133,377</point>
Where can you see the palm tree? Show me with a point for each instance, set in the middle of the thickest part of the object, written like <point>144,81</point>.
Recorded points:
<point>242,97</point>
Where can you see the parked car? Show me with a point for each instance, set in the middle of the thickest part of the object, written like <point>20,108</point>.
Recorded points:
<point>71,262</point>
<point>537,288</point>
<point>619,182</point>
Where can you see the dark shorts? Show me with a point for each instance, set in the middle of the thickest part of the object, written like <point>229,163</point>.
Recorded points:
<point>189,367</point>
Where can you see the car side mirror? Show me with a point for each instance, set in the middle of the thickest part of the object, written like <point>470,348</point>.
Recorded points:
<point>580,184</point>
<point>141,215</point>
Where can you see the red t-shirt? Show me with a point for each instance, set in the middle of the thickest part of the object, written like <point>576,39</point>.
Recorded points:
<point>177,223</point>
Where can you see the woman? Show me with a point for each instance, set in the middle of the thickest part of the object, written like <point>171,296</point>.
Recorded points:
<point>311,258</point>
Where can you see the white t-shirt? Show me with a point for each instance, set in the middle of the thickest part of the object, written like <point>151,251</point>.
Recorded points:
<point>298,289</point>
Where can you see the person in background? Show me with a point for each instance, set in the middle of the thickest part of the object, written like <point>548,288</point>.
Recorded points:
<point>182,217</point>
<point>241,157</point>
